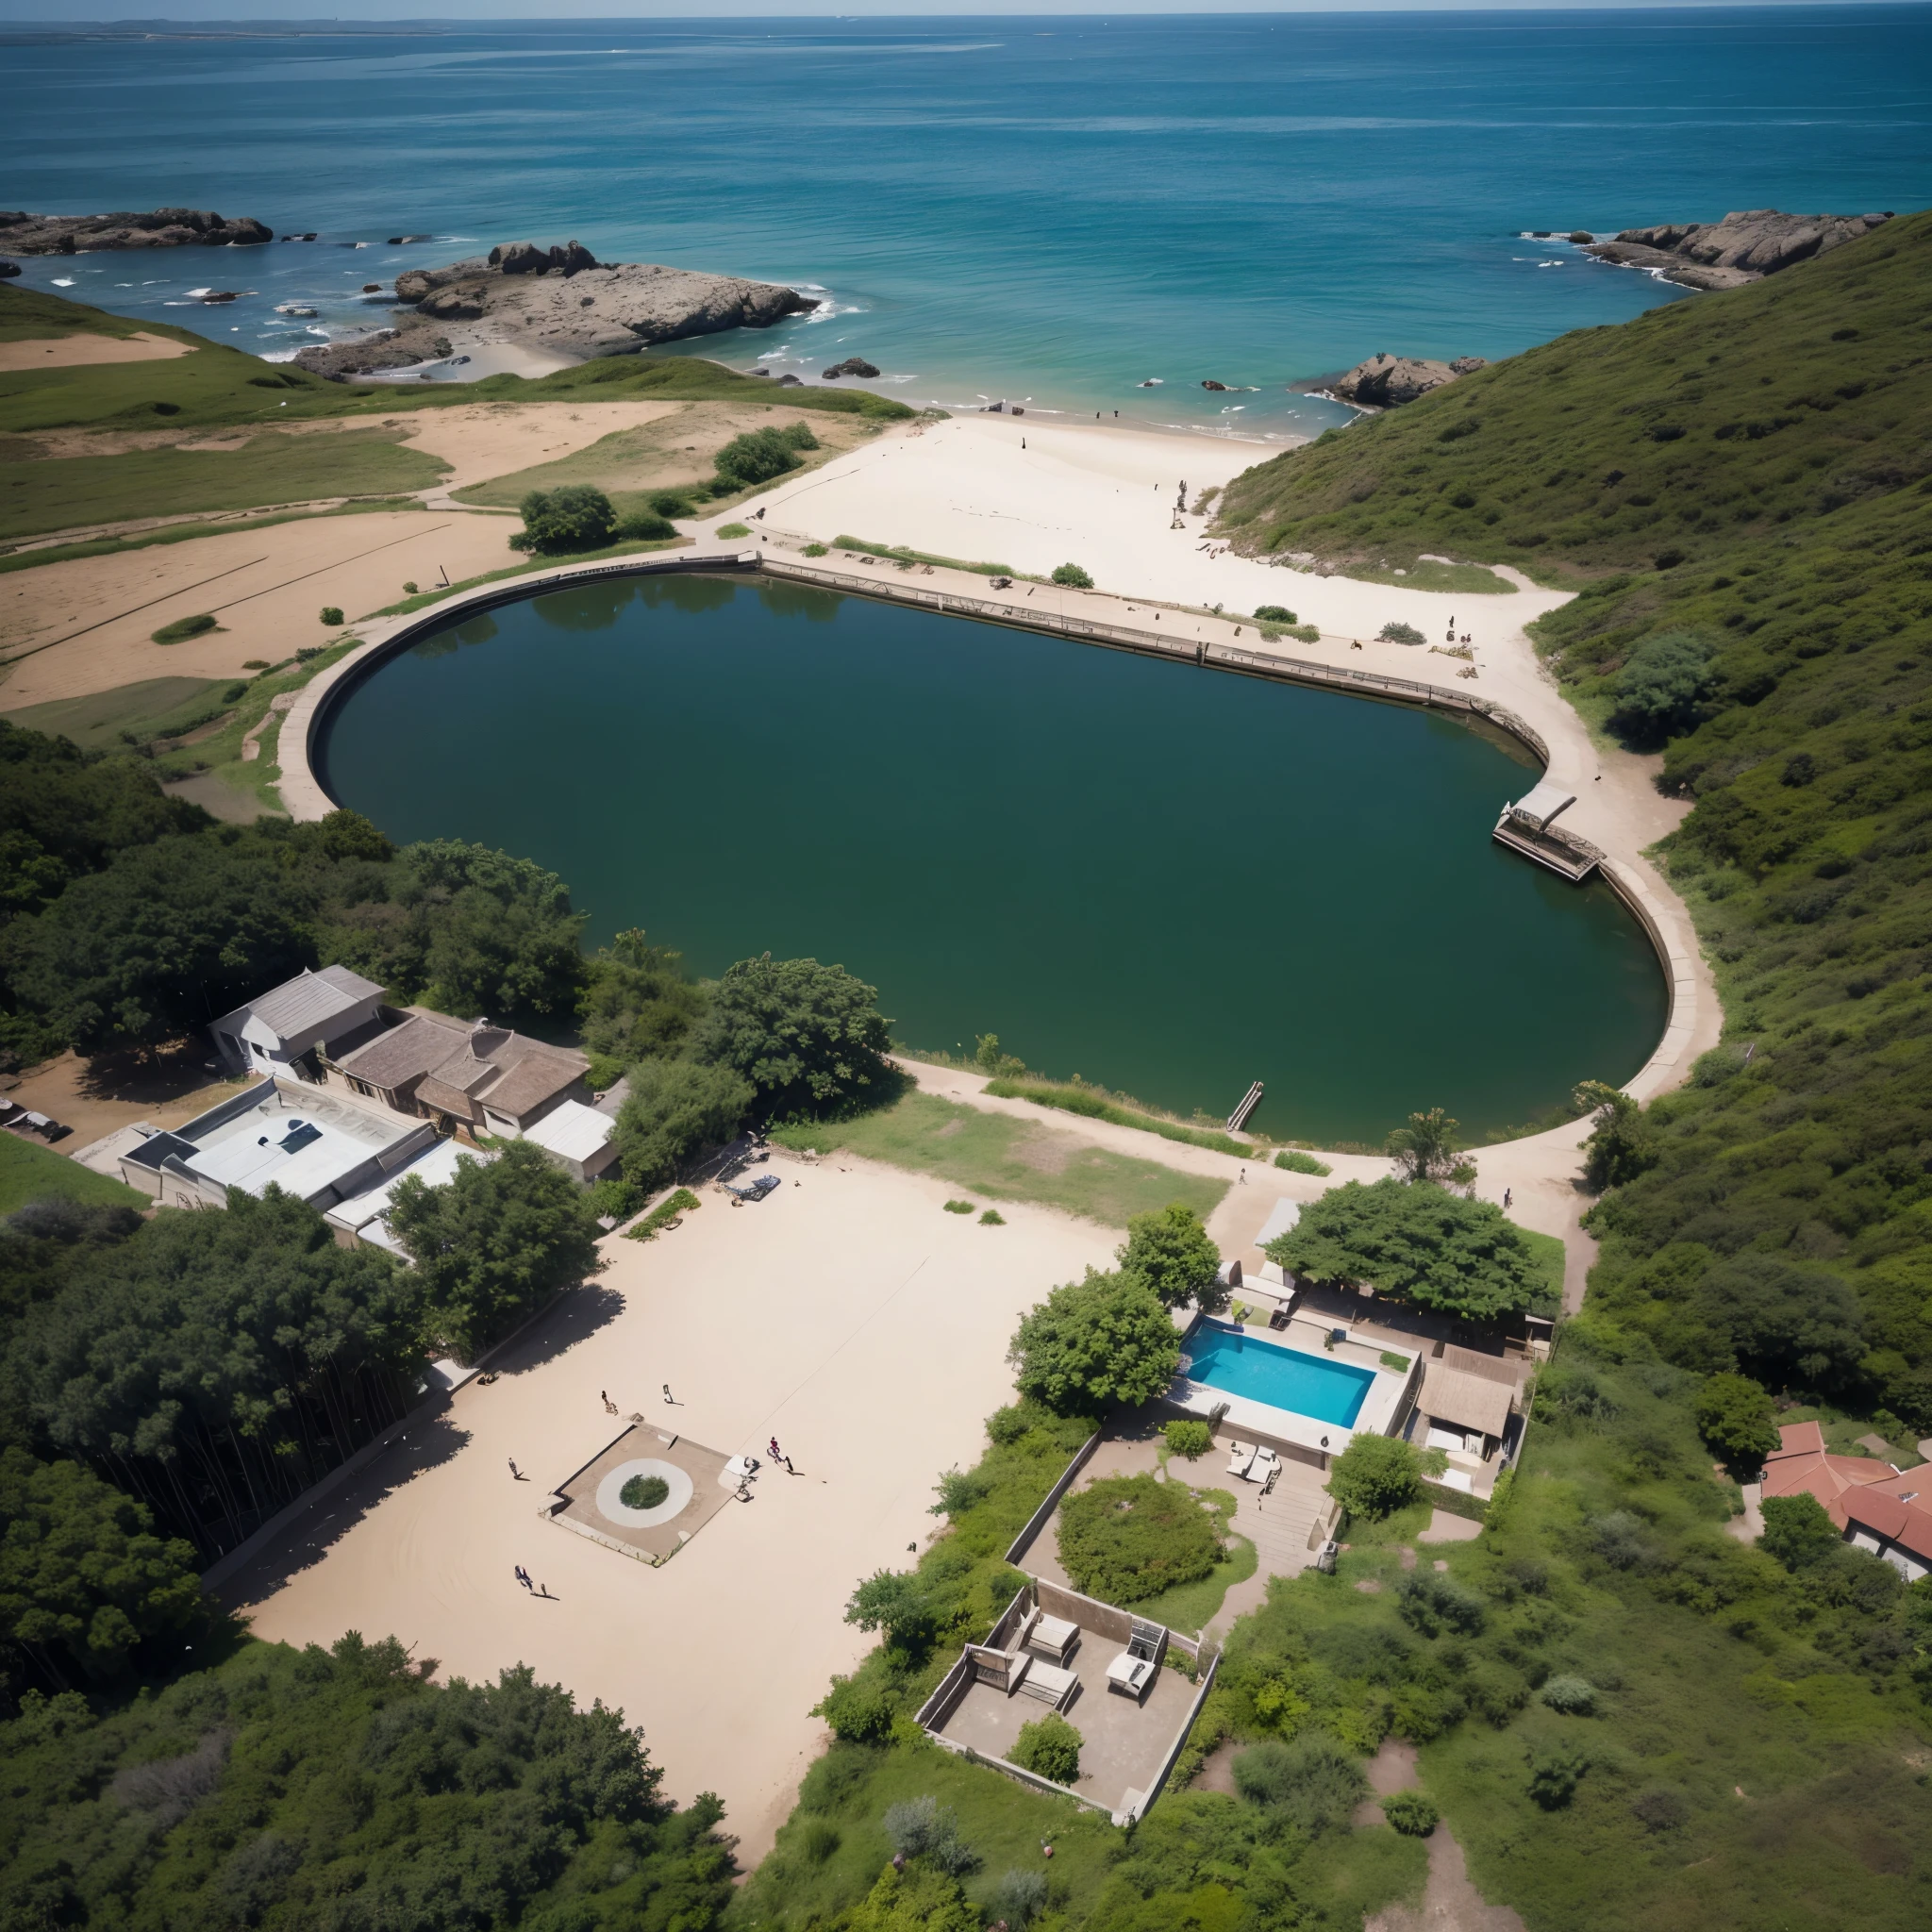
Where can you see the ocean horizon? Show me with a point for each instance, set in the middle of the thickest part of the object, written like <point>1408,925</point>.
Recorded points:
<point>1058,211</point>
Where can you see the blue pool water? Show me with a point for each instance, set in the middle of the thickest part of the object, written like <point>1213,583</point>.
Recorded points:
<point>1282,1377</point>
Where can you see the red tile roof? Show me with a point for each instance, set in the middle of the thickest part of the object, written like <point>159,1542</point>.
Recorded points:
<point>1804,1465</point>
<point>1899,1508</point>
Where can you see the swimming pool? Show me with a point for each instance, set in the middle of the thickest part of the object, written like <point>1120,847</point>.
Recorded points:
<point>1282,1377</point>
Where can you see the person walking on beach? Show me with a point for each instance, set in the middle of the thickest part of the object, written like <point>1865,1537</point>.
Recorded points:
<point>776,1455</point>
<point>667,1392</point>
<point>516,1475</point>
<point>524,1577</point>
<point>1508,1197</point>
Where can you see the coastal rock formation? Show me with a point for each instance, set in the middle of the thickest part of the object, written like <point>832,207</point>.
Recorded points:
<point>8,270</point>
<point>853,365</point>
<point>1743,247</point>
<point>164,227</point>
<point>368,354</point>
<point>1384,381</point>
<point>565,300</point>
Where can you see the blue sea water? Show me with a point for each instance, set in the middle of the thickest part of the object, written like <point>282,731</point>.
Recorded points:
<point>1331,1391</point>
<point>1053,209</point>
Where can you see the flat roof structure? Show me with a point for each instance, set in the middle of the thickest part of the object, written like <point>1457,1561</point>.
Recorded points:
<point>366,1215</point>
<point>574,1130</point>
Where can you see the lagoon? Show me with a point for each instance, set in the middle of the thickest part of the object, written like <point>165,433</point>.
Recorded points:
<point>1170,880</point>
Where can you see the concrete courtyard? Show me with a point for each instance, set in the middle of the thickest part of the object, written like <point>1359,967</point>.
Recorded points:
<point>849,1316</point>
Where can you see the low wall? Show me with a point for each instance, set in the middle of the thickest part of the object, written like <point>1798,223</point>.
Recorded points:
<point>1037,1520</point>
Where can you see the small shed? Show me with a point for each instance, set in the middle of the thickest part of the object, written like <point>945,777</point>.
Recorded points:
<point>1542,804</point>
<point>577,1138</point>
<point>1466,1413</point>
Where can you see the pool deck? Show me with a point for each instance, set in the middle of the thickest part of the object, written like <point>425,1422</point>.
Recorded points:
<point>1382,1405</point>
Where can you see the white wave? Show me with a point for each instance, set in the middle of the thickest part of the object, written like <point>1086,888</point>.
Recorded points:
<point>279,354</point>
<point>200,295</point>
<point>63,281</point>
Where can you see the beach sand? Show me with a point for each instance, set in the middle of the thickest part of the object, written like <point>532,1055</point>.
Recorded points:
<point>848,1315</point>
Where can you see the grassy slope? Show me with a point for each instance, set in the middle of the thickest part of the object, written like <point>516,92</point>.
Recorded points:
<point>149,708</point>
<point>1805,564</point>
<point>1008,1160</point>
<point>31,1172</point>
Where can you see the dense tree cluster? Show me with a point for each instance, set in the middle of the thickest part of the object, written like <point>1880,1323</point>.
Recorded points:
<point>342,1788</point>
<point>1096,1344</point>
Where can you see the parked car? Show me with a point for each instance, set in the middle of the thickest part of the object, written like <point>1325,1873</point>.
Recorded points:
<point>765,1184</point>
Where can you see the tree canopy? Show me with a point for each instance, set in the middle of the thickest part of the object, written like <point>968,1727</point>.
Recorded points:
<point>572,517</point>
<point>636,1000</point>
<point>1096,1343</point>
<point>809,1037</point>
<point>1169,1249</point>
<point>493,1245</point>
<point>1415,1242</point>
<point>1427,1149</point>
<point>1736,1417</point>
<point>1375,1474</point>
<point>675,1109</point>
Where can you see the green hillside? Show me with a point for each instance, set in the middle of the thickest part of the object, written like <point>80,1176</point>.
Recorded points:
<point>1740,484</point>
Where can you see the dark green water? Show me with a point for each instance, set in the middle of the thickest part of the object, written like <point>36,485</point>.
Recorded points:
<point>1169,880</point>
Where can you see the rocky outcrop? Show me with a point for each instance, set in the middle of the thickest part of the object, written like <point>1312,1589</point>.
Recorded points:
<point>565,300</point>
<point>387,349</point>
<point>1743,247</point>
<point>8,270</point>
<point>163,227</point>
<point>853,365</point>
<point>1384,381</point>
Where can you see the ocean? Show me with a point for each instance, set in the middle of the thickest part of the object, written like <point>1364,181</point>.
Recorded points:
<point>1055,211</point>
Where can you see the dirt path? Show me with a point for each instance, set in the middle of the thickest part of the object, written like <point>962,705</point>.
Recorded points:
<point>1450,1903</point>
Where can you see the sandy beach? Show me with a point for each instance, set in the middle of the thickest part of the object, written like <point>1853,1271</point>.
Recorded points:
<point>71,351</point>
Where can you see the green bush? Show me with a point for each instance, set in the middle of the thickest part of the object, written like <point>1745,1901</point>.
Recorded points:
<point>673,1110</point>
<point>959,1490</point>
<point>185,627</point>
<point>1189,1438</point>
<point>993,1218</point>
<point>1660,687</point>
<point>573,517</point>
<point>1375,1474</point>
<point>1275,613</point>
<point>1294,1161</point>
<point>1575,1697</point>
<point>1798,1532</point>
<point>1129,1537</point>
<point>643,1492</point>
<point>645,526</point>
<point>613,1198</point>
<point>1095,1343</point>
<point>1018,1897</point>
<point>331,614</point>
<point>1399,633</point>
<point>959,1206</point>
<point>858,1710</point>
<point>1735,1416</point>
<point>1411,1813</point>
<point>817,1839</point>
<point>670,502</point>
<point>1430,1602</point>
<point>1313,1780</point>
<point>1049,1747</point>
<point>729,531</point>
<point>759,455</point>
<point>1553,1776</point>
<point>1073,576</point>
<point>925,1828</point>
<point>816,550</point>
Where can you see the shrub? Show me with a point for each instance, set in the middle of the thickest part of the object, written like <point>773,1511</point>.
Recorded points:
<point>1400,634</point>
<point>408,589</point>
<point>858,1712</point>
<point>1189,1438</point>
<point>575,517</point>
<point>1553,1776</point>
<point>993,1218</point>
<point>925,1828</point>
<point>817,1838</point>
<point>959,1489</point>
<point>1129,1537</point>
<point>1573,1696</point>
<point>835,1779</point>
<point>1797,1531</point>
<point>1411,1813</point>
<point>674,1108</point>
<point>1095,1343</point>
<point>959,1206</point>
<point>613,1198</point>
<point>1018,1897</point>
<point>185,627</point>
<point>1073,576</point>
<point>1005,1426</point>
<point>331,614</point>
<point>1049,1747</point>
<point>1294,1161</point>
<point>1431,1602</point>
<point>670,502</point>
<point>816,550</point>
<point>1375,1474</point>
<point>759,455</point>
<point>1736,1417</point>
<point>643,1492</point>
<point>896,1602</point>
<point>734,529</point>
<point>1659,689</point>
<point>1660,1808</point>
<point>1276,613</point>
<point>645,526</point>
<point>1313,1780</point>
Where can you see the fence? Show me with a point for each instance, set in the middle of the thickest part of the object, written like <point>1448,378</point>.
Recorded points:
<point>1037,1520</point>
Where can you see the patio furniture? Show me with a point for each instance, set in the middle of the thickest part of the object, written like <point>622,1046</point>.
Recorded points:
<point>1135,1669</point>
<point>1052,1638</point>
<point>1280,1318</point>
<point>1047,1682</point>
<point>1004,1670</point>
<point>1241,1457</point>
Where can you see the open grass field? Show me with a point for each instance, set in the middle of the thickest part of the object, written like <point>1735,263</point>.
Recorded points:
<point>66,492</point>
<point>148,709</point>
<point>30,1172</point>
<point>1008,1160</point>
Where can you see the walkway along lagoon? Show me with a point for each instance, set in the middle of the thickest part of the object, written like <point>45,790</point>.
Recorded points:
<point>1169,883</point>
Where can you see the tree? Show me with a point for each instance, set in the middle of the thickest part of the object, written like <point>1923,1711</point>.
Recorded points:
<point>85,1586</point>
<point>1736,1417</point>
<point>1425,1149</point>
<point>759,455</point>
<point>675,1109</point>
<point>1798,1531</point>
<point>1375,1474</point>
<point>494,1245</point>
<point>1416,1243</point>
<point>1621,1144</point>
<point>1659,687</point>
<point>1790,1326</point>
<point>1125,1537</point>
<point>1049,1747</point>
<point>167,937</point>
<point>1072,578</point>
<point>637,1001</point>
<point>575,517</point>
<point>809,1037</point>
<point>896,1602</point>
<point>1096,1343</point>
<point>919,1899</point>
<point>1169,1249</point>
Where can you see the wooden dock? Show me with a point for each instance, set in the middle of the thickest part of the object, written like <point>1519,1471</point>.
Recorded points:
<point>1250,1101</point>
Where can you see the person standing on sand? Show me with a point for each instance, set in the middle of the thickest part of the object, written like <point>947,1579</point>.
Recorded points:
<point>667,1392</point>
<point>776,1455</point>
<point>516,1475</point>
<point>1508,1197</point>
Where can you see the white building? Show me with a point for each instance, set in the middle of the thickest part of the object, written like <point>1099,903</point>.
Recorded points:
<point>577,1139</point>
<point>334,1009</point>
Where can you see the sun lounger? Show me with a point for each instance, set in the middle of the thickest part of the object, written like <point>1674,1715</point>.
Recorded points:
<point>1004,1670</point>
<point>1048,1683</point>
<point>1052,1637</point>
<point>1241,1457</point>
<point>1130,1675</point>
